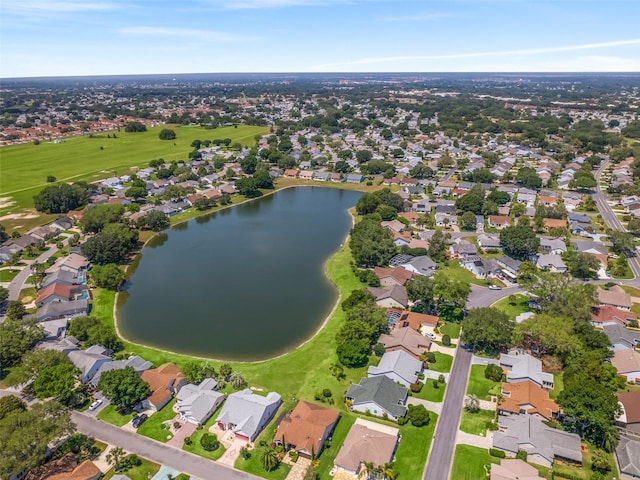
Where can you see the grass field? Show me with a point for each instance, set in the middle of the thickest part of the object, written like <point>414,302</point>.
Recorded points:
<point>429,392</point>
<point>451,328</point>
<point>152,428</point>
<point>442,364</point>
<point>110,415</point>
<point>469,463</point>
<point>476,423</point>
<point>521,305</point>
<point>478,385</point>
<point>8,274</point>
<point>195,446</point>
<point>145,471</point>
<point>84,158</point>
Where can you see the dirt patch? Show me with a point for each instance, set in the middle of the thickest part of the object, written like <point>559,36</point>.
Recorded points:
<point>19,216</point>
<point>6,202</point>
<point>27,299</point>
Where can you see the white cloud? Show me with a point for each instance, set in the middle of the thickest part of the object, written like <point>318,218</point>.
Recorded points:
<point>30,7</point>
<point>202,35</point>
<point>462,56</point>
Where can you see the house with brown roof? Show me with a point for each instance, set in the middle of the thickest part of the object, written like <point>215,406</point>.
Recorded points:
<point>417,321</point>
<point>627,363</point>
<point>499,221</point>
<point>549,223</point>
<point>59,292</point>
<point>390,297</point>
<point>164,382</point>
<point>291,172</point>
<point>629,417</point>
<point>615,297</point>
<point>527,397</point>
<point>407,340</point>
<point>392,276</point>
<point>306,428</point>
<point>65,468</point>
<point>607,315</point>
<point>514,469</point>
<point>411,217</point>
<point>366,442</point>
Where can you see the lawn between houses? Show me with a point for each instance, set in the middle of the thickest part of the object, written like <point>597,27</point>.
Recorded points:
<point>300,374</point>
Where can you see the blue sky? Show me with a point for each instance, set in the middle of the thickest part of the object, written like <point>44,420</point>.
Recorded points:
<point>108,37</point>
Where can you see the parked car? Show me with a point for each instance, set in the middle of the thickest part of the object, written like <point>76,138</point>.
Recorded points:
<point>95,404</point>
<point>430,335</point>
<point>494,287</point>
<point>139,420</point>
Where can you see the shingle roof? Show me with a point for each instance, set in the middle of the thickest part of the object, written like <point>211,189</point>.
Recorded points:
<point>407,338</point>
<point>382,391</point>
<point>626,361</point>
<point>399,363</point>
<point>628,453</point>
<point>529,397</point>
<point>246,410</point>
<point>631,404</point>
<point>525,367</point>
<point>306,425</point>
<point>367,442</point>
<point>618,334</point>
<point>615,296</point>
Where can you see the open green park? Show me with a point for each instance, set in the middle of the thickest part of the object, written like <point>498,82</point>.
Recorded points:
<point>25,167</point>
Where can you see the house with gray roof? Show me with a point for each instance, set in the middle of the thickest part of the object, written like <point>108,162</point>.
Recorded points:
<point>89,361</point>
<point>64,345</point>
<point>55,310</point>
<point>378,395</point>
<point>553,263</point>
<point>489,242</point>
<point>422,265</point>
<point>628,455</point>
<point>354,178</point>
<point>542,444</point>
<point>620,337</point>
<point>196,403</point>
<point>399,366</point>
<point>480,267</point>
<point>462,249</point>
<point>247,413</point>
<point>394,296</point>
<point>64,277</point>
<point>552,246</point>
<point>139,364</point>
<point>525,367</point>
<point>510,266</point>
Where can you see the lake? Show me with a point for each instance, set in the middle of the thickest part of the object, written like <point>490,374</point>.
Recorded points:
<point>244,283</point>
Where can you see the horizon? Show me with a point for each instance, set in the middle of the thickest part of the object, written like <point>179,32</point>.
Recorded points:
<point>70,38</point>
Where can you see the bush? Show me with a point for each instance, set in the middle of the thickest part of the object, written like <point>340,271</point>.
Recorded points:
<point>209,442</point>
<point>521,455</point>
<point>378,349</point>
<point>402,421</point>
<point>421,376</point>
<point>430,357</point>
<point>492,426</point>
<point>446,340</point>
<point>435,383</point>
<point>493,372</point>
<point>441,378</point>
<point>418,415</point>
<point>326,393</point>
<point>416,387</point>
<point>494,452</point>
<point>245,453</point>
<point>293,455</point>
<point>188,441</point>
<point>633,323</point>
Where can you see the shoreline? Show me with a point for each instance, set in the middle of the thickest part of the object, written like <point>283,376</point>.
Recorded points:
<point>199,357</point>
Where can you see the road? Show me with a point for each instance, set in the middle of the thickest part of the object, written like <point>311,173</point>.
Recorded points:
<point>484,297</point>
<point>16,284</point>
<point>180,460</point>
<point>610,217</point>
<point>449,174</point>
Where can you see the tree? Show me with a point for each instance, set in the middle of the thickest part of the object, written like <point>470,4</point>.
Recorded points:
<point>438,246</point>
<point>195,372</point>
<point>16,338</point>
<point>203,203</point>
<point>263,179</point>
<point>470,202</point>
<point>25,435</point>
<point>421,171</point>
<point>367,203</point>
<point>621,242</point>
<point>167,134</point>
<point>418,415</point>
<point>112,245</point>
<point>237,381</point>
<point>124,387</point>
<point>363,156</point>
<point>56,381</point>
<point>3,234</point>
<point>136,192</point>
<point>115,457</point>
<point>488,329</point>
<point>132,127</point>
<point>583,265</point>
<point>248,187</point>
<point>450,296</point>
<point>32,362</point>
<point>209,442</point>
<point>92,331</point>
<point>354,353</point>
<point>16,310</point>
<point>518,209</point>
<point>468,221</point>
<point>471,403</point>
<point>493,372</point>
<point>420,289</point>
<point>249,164</point>
<point>61,198</point>
<point>386,212</point>
<point>9,404</point>
<point>499,197</point>
<point>528,178</point>
<point>51,179</point>
<point>269,459</point>
<point>97,217</point>
<point>4,294</point>
<point>225,371</point>
<point>371,244</point>
<point>154,220</point>
<point>108,276</point>
<point>519,241</point>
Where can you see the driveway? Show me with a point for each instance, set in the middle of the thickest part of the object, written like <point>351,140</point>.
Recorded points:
<point>183,432</point>
<point>475,440</point>
<point>179,460</point>
<point>435,407</point>
<point>233,452</point>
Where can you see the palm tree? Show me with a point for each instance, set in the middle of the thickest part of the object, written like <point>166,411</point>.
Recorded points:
<point>115,456</point>
<point>269,459</point>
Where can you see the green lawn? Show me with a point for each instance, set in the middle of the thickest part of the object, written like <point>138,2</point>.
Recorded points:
<point>84,158</point>
<point>476,423</point>
<point>451,328</point>
<point>28,292</point>
<point>7,275</point>
<point>471,463</point>
<point>145,471</point>
<point>478,385</point>
<point>430,393</point>
<point>455,271</point>
<point>414,447</point>
<point>153,427</point>
<point>521,305</point>
<point>197,449</point>
<point>633,291</point>
<point>558,386</point>
<point>442,364</point>
<point>332,447</point>
<point>110,415</point>
<point>627,275</point>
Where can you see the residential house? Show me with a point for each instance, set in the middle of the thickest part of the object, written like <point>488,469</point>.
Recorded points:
<point>89,361</point>
<point>513,469</point>
<point>552,246</point>
<point>620,337</point>
<point>604,315</point>
<point>499,221</point>
<point>551,223</point>
<point>59,292</point>
<point>74,262</point>
<point>615,296</point>
<point>446,219</point>
<point>394,225</point>
<point>550,262</point>
<point>528,398</point>
<point>306,174</point>
<point>543,444</point>
<point>628,456</point>
<point>62,223</point>
<point>480,267</point>
<point>64,277</point>
<point>390,297</point>
<point>582,229</point>
<point>421,265</point>
<point>378,395</point>
<point>247,413</point>
<point>627,363</point>
<point>164,382</point>
<point>510,266</point>
<point>399,366</point>
<point>306,428</point>
<point>139,364</point>
<point>366,443</point>
<point>392,276</point>
<point>405,339</point>
<point>417,321</point>
<point>64,344</point>
<point>462,249</point>
<point>629,417</point>
<point>354,178</point>
<point>65,468</point>
<point>488,242</point>
<point>196,403</point>
<point>524,367</point>
<point>55,310</point>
